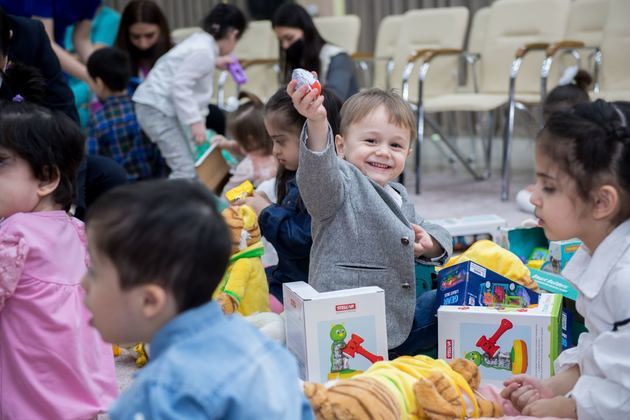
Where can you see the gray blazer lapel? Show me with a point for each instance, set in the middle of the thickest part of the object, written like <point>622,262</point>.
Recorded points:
<point>391,203</point>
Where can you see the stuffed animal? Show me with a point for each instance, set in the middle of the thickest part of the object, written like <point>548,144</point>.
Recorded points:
<point>244,286</point>
<point>415,388</point>
<point>498,259</point>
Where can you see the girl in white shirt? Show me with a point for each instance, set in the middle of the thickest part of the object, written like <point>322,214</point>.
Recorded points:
<point>583,191</point>
<point>172,103</point>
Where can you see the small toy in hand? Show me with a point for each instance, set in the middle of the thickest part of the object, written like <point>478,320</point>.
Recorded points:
<point>246,189</point>
<point>304,77</point>
<point>237,72</point>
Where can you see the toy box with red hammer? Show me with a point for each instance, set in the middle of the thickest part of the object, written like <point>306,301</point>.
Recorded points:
<point>503,341</point>
<point>334,335</point>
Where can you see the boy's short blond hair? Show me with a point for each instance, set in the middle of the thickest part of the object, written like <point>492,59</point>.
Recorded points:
<point>360,105</point>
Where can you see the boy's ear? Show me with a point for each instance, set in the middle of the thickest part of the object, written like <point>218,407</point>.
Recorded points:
<point>154,300</point>
<point>50,184</point>
<point>605,202</point>
<point>339,145</point>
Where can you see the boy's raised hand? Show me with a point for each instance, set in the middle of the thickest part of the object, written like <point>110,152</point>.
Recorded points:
<point>307,101</point>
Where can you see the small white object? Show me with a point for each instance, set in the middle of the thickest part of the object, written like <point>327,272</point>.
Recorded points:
<point>523,203</point>
<point>568,76</point>
<point>303,77</point>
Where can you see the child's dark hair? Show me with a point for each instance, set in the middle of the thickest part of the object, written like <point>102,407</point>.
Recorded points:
<point>49,141</point>
<point>112,66</point>
<point>164,232</point>
<point>565,96</point>
<point>224,18</point>
<point>281,105</point>
<point>247,125</point>
<point>591,144</point>
<point>295,16</point>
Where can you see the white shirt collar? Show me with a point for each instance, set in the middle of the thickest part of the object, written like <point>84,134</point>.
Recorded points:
<point>589,272</point>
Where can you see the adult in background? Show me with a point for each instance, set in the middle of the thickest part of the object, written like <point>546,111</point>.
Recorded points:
<point>144,34</point>
<point>301,46</point>
<point>56,16</point>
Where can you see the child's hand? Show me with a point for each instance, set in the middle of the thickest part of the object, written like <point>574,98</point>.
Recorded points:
<point>223,61</point>
<point>424,245</point>
<point>198,130</point>
<point>306,102</point>
<point>258,202</point>
<point>552,407</point>
<point>523,390</point>
<point>229,145</point>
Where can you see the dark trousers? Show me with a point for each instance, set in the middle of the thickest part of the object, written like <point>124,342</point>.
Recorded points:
<point>422,338</point>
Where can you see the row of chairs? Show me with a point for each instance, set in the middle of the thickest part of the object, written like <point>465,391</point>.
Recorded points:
<point>511,48</point>
<point>516,48</point>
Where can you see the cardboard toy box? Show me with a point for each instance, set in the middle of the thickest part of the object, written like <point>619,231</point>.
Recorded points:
<point>471,284</point>
<point>336,334</point>
<point>468,230</point>
<point>503,342</point>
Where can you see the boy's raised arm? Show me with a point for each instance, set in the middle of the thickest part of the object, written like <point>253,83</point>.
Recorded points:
<point>311,106</point>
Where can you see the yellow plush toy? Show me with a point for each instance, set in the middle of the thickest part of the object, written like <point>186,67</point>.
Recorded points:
<point>415,388</point>
<point>244,286</point>
<point>500,260</point>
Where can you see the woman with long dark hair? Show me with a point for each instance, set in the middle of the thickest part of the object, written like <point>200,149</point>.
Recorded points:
<point>144,34</point>
<point>302,46</point>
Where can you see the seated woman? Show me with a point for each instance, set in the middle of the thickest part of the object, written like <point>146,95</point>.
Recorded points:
<point>301,46</point>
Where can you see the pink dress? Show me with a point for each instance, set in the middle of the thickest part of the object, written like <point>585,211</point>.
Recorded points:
<point>254,167</point>
<point>53,364</point>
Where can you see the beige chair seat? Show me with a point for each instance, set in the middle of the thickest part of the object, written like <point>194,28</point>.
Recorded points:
<point>480,102</point>
<point>617,95</point>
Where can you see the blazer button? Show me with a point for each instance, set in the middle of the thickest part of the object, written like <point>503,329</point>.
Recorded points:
<point>404,240</point>
<point>406,285</point>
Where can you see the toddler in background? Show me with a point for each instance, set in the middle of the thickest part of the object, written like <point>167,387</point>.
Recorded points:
<point>247,126</point>
<point>172,102</point>
<point>287,224</point>
<point>366,231</point>
<point>583,191</point>
<point>52,362</point>
<point>572,89</point>
<point>142,287</point>
<point>113,130</point>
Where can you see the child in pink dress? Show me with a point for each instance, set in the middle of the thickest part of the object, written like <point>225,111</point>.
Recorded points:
<point>53,364</point>
<point>247,126</point>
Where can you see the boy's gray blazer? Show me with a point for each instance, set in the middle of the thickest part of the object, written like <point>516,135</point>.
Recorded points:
<point>360,235</point>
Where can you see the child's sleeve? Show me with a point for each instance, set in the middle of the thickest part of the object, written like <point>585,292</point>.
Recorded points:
<point>319,178</point>
<point>13,252</point>
<point>193,68</point>
<point>442,236</point>
<point>603,389</point>
<point>91,144</point>
<point>287,231</point>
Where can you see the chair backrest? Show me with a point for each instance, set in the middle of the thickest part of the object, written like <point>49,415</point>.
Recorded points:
<point>616,48</point>
<point>511,25</point>
<point>342,31</point>
<point>586,21</point>
<point>430,28</point>
<point>386,41</point>
<point>478,26</point>
<point>180,34</point>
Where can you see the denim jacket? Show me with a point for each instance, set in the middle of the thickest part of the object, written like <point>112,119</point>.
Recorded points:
<point>206,365</point>
<point>288,227</point>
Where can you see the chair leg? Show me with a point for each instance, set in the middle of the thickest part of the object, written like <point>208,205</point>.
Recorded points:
<point>507,151</point>
<point>488,145</point>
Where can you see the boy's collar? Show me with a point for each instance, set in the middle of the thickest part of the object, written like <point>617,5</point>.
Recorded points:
<point>184,324</point>
<point>589,272</point>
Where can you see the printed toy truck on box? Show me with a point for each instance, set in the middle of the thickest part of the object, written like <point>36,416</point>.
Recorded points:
<point>503,341</point>
<point>334,335</point>
<point>470,284</point>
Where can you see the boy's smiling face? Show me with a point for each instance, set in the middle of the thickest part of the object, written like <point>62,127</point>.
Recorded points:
<point>376,145</point>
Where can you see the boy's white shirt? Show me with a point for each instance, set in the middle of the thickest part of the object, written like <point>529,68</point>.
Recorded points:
<point>394,195</point>
<point>180,84</point>
<point>603,355</point>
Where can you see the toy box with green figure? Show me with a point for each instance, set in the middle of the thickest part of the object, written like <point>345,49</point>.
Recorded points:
<point>334,335</point>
